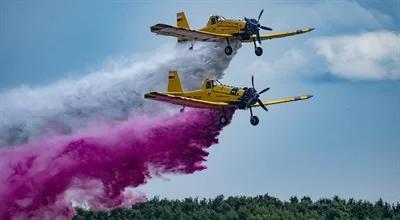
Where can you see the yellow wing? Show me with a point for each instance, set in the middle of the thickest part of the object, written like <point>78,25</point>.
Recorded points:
<point>279,34</point>
<point>284,100</point>
<point>187,34</point>
<point>183,101</point>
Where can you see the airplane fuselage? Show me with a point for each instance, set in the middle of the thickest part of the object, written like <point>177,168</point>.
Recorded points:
<point>228,26</point>
<point>219,93</point>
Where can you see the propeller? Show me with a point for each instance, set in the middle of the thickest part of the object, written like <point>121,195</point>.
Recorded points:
<point>255,96</point>
<point>266,28</point>
<point>254,26</point>
<point>259,16</point>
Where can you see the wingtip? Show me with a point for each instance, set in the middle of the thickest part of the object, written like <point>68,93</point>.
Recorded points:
<point>304,97</point>
<point>305,30</point>
<point>149,95</point>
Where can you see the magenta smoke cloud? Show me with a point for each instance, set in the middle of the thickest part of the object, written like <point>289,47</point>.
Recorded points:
<point>39,180</point>
<point>91,140</point>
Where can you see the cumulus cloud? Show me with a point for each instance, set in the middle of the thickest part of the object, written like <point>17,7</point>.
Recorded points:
<point>371,56</point>
<point>294,63</point>
<point>350,42</point>
<point>366,56</point>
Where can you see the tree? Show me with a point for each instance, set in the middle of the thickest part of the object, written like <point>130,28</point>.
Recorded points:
<point>256,208</point>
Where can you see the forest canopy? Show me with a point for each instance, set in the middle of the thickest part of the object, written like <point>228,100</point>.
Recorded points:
<point>242,207</point>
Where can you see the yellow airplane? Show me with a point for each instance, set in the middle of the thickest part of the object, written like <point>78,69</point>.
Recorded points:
<point>214,95</point>
<point>219,29</point>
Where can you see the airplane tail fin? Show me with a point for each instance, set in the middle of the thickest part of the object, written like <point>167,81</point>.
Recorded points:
<point>181,22</point>
<point>174,83</point>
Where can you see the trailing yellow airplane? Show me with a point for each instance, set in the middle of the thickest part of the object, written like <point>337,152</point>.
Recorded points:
<point>219,29</point>
<point>214,95</point>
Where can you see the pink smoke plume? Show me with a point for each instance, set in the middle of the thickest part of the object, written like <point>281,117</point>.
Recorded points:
<point>39,180</point>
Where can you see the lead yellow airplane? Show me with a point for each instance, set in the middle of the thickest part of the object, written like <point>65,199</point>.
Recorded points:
<point>219,29</point>
<point>214,95</point>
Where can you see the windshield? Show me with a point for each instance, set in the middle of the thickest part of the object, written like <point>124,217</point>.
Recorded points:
<point>216,18</point>
<point>221,17</point>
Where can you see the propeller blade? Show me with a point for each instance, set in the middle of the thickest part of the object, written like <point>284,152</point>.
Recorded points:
<point>259,16</point>
<point>262,104</point>
<point>262,91</point>
<point>252,80</point>
<point>266,28</point>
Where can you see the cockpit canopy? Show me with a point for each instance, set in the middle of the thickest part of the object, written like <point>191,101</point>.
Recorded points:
<point>214,19</point>
<point>210,83</point>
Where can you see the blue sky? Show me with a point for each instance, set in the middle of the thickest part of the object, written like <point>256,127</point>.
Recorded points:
<point>345,141</point>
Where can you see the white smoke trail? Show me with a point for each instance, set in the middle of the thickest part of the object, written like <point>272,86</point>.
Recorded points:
<point>111,94</point>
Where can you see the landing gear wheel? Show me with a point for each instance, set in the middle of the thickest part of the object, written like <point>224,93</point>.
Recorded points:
<point>259,51</point>
<point>223,120</point>
<point>228,50</point>
<point>254,120</point>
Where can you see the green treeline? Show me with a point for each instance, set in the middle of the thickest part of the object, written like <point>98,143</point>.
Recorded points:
<point>259,207</point>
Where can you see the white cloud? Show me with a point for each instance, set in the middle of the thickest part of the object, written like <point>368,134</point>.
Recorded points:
<point>366,56</point>
<point>295,63</point>
<point>372,55</point>
<point>299,57</point>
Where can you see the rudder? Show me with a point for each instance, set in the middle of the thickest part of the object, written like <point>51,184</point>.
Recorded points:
<point>181,20</point>
<point>174,83</point>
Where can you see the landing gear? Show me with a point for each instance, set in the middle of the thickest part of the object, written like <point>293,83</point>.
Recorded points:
<point>254,120</point>
<point>257,50</point>
<point>228,49</point>
<point>223,120</point>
